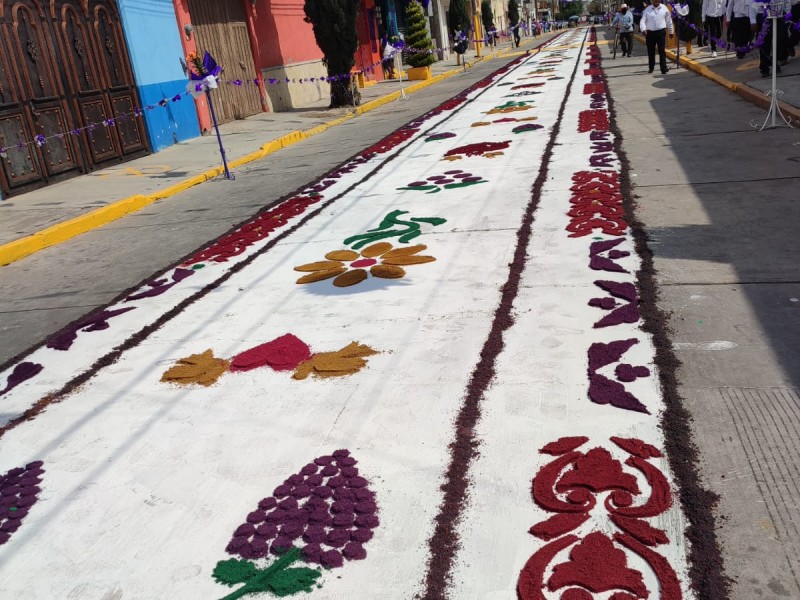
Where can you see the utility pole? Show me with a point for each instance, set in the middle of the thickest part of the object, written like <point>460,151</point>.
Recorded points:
<point>476,24</point>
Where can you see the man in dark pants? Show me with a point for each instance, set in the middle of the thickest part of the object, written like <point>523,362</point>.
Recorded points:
<point>765,51</point>
<point>655,23</point>
<point>741,19</point>
<point>713,12</point>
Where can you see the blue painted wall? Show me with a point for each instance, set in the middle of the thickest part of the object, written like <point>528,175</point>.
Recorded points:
<point>151,31</point>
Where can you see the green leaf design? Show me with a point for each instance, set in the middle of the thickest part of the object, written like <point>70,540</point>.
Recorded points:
<point>292,581</point>
<point>233,571</point>
<point>278,578</point>
<point>450,186</point>
<point>419,187</point>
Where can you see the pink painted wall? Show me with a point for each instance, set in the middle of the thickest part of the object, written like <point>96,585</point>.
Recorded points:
<point>279,34</point>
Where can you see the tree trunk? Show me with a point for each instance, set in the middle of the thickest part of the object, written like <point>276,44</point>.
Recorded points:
<point>345,93</point>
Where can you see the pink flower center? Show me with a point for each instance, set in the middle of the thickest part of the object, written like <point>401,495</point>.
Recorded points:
<point>363,262</point>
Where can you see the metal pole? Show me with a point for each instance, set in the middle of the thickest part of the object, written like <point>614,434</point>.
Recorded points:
<point>774,19</point>
<point>219,137</point>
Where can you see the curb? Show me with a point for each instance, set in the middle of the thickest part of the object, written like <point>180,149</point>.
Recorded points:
<point>61,232</point>
<point>743,90</point>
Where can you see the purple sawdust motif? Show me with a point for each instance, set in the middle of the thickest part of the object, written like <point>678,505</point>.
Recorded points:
<point>18,492</point>
<point>603,390</point>
<point>606,263</point>
<point>21,373</point>
<point>624,313</point>
<point>324,514</point>
<point>94,322</point>
<point>159,286</point>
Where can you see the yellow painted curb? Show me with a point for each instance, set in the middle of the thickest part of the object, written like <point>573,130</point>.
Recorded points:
<point>742,90</point>
<point>61,232</point>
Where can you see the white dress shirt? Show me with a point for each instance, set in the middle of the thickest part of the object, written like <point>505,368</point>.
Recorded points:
<point>713,8</point>
<point>654,19</point>
<point>741,8</point>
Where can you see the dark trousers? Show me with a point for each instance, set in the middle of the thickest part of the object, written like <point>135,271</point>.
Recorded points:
<point>741,34</point>
<point>794,37</point>
<point>657,38</point>
<point>765,52</point>
<point>626,42</point>
<point>714,29</point>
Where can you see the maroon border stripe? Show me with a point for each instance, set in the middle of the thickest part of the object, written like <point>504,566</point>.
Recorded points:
<point>444,543</point>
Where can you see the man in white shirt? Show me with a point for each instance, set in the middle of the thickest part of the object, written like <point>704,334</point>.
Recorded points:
<point>741,18</point>
<point>655,23</point>
<point>713,13</point>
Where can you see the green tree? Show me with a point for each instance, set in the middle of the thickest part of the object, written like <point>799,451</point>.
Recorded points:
<point>458,18</point>
<point>417,37</point>
<point>334,23</point>
<point>513,19</point>
<point>513,12</point>
<point>486,15</point>
<point>571,8</point>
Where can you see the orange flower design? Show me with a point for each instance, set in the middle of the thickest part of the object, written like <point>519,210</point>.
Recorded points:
<point>350,268</point>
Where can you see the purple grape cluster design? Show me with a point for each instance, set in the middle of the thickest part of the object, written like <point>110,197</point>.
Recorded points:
<point>322,515</point>
<point>19,489</point>
<point>452,179</point>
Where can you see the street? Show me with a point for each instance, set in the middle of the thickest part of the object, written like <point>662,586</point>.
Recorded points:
<point>531,333</point>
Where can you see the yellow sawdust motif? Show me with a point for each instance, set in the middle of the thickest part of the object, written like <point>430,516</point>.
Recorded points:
<point>348,360</point>
<point>203,368</point>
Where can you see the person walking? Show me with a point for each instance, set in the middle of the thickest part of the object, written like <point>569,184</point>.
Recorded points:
<point>713,13</point>
<point>741,20</point>
<point>655,23</point>
<point>623,21</point>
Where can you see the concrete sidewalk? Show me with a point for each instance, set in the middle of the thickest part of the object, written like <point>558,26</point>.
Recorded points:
<point>48,216</point>
<point>740,76</point>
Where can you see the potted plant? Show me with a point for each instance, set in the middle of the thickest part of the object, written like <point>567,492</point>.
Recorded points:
<point>418,43</point>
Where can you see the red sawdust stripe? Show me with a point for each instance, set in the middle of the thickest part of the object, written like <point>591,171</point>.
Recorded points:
<point>706,568</point>
<point>137,338</point>
<point>444,542</point>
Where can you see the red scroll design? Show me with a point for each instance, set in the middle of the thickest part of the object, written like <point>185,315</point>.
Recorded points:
<point>596,204</point>
<point>572,566</point>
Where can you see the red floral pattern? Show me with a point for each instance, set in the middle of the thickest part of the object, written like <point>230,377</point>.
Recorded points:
<point>570,486</point>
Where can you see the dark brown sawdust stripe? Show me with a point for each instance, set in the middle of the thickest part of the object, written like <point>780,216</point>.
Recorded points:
<point>444,543</point>
<point>135,339</point>
<point>706,568</point>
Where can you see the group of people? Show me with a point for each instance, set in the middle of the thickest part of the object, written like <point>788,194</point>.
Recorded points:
<point>742,19</point>
<point>656,21</point>
<point>745,19</point>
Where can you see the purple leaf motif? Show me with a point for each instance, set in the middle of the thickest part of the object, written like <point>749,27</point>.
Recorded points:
<point>159,286</point>
<point>603,390</point>
<point>598,262</point>
<point>625,313</point>
<point>96,321</point>
<point>18,492</point>
<point>21,373</point>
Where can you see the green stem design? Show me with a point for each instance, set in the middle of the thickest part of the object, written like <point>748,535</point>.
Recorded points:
<point>277,578</point>
<point>406,231</point>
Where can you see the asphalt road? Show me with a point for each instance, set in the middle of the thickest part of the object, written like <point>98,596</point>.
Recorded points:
<point>44,292</point>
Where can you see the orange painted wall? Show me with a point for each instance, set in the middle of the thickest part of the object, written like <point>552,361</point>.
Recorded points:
<point>280,35</point>
<point>189,46</point>
<point>368,54</point>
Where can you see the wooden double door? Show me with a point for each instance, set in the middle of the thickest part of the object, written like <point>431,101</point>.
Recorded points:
<point>220,27</point>
<point>65,76</point>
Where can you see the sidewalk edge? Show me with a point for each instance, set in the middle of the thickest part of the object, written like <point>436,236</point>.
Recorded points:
<point>743,90</point>
<point>61,232</point>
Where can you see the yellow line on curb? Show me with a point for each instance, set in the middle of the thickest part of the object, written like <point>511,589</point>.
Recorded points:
<point>743,90</point>
<point>61,232</point>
